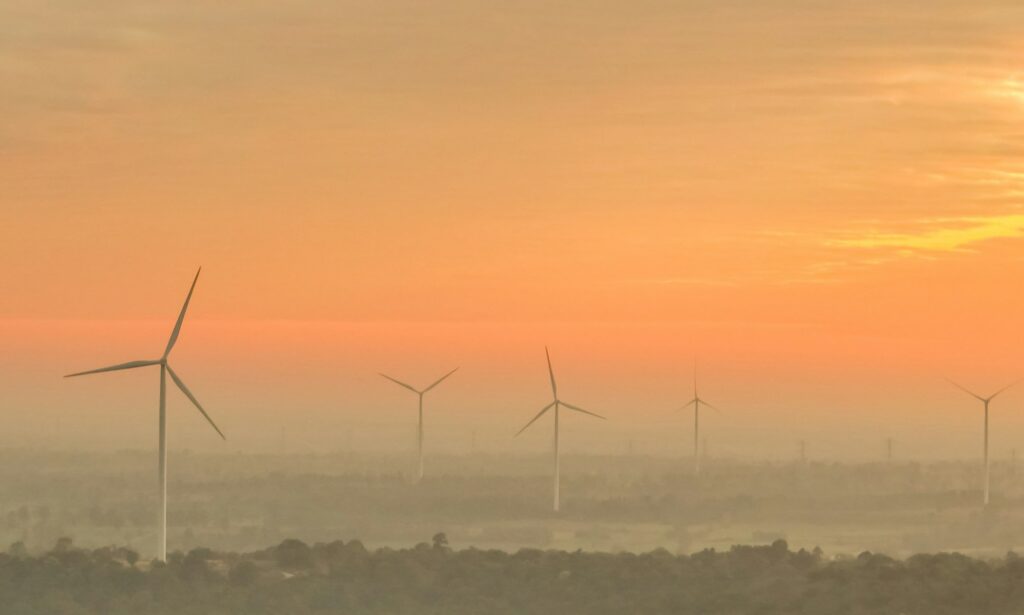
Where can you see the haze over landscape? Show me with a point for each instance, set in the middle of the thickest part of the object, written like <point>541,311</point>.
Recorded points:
<point>820,205</point>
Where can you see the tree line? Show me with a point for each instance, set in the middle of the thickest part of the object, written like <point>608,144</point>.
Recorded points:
<point>345,577</point>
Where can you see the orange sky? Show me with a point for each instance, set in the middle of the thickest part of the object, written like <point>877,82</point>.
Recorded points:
<point>822,200</point>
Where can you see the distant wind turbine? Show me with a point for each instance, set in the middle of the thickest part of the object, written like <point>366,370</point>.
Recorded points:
<point>985,401</point>
<point>165,370</point>
<point>419,475</point>
<point>696,403</point>
<point>556,403</point>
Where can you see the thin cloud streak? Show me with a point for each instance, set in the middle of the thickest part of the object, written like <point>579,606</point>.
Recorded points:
<point>944,235</point>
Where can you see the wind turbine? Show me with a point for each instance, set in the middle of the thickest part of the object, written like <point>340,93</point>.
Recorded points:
<point>696,403</point>
<point>985,401</point>
<point>165,370</point>
<point>556,403</point>
<point>420,393</point>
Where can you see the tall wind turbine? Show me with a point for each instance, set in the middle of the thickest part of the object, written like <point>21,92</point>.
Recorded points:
<point>165,370</point>
<point>419,476</point>
<point>696,403</point>
<point>985,401</point>
<point>556,403</point>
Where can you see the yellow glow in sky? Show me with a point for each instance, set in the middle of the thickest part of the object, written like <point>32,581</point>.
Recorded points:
<point>945,235</point>
<point>733,171</point>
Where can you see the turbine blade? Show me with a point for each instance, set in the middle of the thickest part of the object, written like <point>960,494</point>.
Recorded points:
<point>181,316</point>
<point>966,390</point>
<point>114,368</point>
<point>440,380</point>
<point>688,404</point>
<point>534,419</point>
<point>1003,389</point>
<point>578,409</point>
<point>715,408</point>
<point>551,372</point>
<point>400,383</point>
<point>192,398</point>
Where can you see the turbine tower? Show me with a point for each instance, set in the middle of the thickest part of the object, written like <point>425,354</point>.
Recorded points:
<point>556,404</point>
<point>985,401</point>
<point>165,370</point>
<point>696,403</point>
<point>419,475</point>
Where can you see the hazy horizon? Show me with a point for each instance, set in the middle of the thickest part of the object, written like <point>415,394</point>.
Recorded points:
<point>820,202</point>
<point>815,206</point>
<point>320,382</point>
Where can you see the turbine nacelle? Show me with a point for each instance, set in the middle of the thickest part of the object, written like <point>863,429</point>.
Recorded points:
<point>697,400</point>
<point>420,392</point>
<point>984,400</point>
<point>162,361</point>
<point>555,402</point>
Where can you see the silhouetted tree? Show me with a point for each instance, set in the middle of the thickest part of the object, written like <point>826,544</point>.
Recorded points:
<point>440,540</point>
<point>293,554</point>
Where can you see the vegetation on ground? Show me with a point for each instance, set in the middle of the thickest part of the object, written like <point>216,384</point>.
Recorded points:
<point>345,577</point>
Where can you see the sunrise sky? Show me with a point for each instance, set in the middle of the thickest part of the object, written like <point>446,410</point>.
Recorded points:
<point>820,200</point>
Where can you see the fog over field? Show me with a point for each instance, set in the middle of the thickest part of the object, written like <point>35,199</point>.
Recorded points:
<point>546,306</point>
<point>611,503</point>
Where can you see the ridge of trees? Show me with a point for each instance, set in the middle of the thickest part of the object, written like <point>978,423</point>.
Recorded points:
<point>346,577</point>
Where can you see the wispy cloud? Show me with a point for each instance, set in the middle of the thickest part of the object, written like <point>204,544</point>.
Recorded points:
<point>687,281</point>
<point>941,235</point>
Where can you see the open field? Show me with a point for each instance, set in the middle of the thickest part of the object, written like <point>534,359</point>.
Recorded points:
<point>624,503</point>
